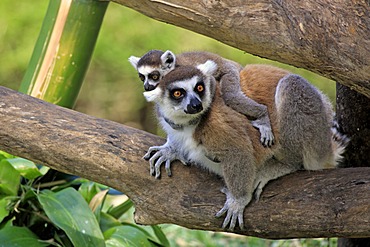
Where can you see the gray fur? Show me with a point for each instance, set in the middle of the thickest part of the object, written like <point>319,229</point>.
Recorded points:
<point>306,111</point>
<point>225,144</point>
<point>227,74</point>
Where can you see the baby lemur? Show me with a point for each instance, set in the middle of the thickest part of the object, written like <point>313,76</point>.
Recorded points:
<point>203,130</point>
<point>155,64</point>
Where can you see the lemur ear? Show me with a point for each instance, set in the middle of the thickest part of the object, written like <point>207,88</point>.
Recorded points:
<point>168,60</point>
<point>208,68</point>
<point>134,60</point>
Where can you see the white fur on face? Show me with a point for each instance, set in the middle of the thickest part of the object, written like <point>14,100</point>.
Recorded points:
<point>154,95</point>
<point>175,112</point>
<point>146,69</point>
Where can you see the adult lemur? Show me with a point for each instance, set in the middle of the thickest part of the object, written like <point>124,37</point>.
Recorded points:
<point>204,131</point>
<point>156,64</point>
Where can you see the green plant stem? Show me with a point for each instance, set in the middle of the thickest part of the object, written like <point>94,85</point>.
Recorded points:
<point>63,50</point>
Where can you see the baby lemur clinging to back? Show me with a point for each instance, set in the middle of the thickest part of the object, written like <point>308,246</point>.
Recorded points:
<point>204,131</point>
<point>155,64</point>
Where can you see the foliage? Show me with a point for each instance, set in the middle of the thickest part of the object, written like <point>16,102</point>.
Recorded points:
<point>66,212</point>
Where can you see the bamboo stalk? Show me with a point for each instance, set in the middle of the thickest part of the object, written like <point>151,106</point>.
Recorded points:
<point>63,50</point>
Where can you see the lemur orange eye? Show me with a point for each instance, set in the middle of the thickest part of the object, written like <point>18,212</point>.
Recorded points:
<point>200,88</point>
<point>177,94</point>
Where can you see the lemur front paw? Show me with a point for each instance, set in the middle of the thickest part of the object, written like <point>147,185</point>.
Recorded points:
<point>234,208</point>
<point>264,127</point>
<point>157,155</point>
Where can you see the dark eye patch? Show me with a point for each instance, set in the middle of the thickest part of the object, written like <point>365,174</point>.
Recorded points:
<point>200,88</point>
<point>155,76</point>
<point>177,94</point>
<point>142,77</point>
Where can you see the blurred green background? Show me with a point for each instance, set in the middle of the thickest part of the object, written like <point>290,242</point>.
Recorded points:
<point>112,89</point>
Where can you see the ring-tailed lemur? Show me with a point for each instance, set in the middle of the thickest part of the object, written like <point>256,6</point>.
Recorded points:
<point>204,131</point>
<point>155,64</point>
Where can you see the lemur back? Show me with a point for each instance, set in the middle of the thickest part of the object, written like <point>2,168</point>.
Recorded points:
<point>287,95</point>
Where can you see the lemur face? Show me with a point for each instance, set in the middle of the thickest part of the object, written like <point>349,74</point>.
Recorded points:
<point>185,93</point>
<point>153,66</point>
<point>150,76</point>
<point>186,96</point>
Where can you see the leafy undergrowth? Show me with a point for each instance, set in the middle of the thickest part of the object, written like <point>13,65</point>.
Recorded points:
<point>40,207</point>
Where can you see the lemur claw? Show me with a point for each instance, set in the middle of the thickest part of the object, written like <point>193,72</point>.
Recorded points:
<point>157,155</point>
<point>267,137</point>
<point>151,152</point>
<point>234,209</point>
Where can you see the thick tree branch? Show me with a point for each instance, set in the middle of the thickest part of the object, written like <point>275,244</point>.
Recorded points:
<point>331,38</point>
<point>304,204</point>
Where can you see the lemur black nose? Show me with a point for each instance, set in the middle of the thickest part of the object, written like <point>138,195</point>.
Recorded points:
<point>149,87</point>
<point>194,106</point>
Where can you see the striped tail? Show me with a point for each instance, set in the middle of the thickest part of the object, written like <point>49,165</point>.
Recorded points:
<point>339,143</point>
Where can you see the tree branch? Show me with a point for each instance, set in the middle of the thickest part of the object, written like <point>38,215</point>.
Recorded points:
<point>331,38</point>
<point>304,204</point>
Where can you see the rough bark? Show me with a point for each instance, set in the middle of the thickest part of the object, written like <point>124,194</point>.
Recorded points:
<point>328,203</point>
<point>353,113</point>
<point>328,37</point>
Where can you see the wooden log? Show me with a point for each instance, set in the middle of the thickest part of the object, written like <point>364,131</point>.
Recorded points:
<point>330,203</point>
<point>331,38</point>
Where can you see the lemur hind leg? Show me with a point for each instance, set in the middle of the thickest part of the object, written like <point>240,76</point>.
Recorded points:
<point>271,170</point>
<point>305,121</point>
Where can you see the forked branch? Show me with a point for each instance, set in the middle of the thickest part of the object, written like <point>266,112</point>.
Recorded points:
<point>329,203</point>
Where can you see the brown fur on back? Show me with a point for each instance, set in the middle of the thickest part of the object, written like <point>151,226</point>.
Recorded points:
<point>235,131</point>
<point>259,82</point>
<point>222,121</point>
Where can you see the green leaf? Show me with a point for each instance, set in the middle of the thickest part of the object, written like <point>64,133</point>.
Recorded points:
<point>9,178</point>
<point>120,209</point>
<point>72,183</point>
<point>97,203</point>
<point>107,221</point>
<point>68,210</point>
<point>44,169</point>
<point>160,235</point>
<point>28,195</point>
<point>98,200</point>
<point>19,236</point>
<point>88,190</point>
<point>126,235</point>
<point>4,155</point>
<point>26,168</point>
<point>4,208</point>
